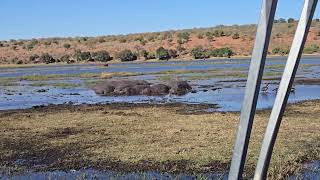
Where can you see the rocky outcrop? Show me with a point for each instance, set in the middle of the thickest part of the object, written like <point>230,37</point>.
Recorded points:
<point>139,87</point>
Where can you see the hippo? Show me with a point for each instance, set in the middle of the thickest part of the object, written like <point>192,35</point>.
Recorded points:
<point>156,90</point>
<point>120,87</point>
<point>140,87</point>
<point>179,87</point>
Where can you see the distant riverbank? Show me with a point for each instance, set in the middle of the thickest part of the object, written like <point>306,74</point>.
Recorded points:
<point>145,61</point>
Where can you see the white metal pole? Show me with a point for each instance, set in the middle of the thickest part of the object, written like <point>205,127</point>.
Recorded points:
<point>252,88</point>
<point>285,88</point>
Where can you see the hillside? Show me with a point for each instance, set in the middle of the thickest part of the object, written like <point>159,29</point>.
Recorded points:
<point>182,44</point>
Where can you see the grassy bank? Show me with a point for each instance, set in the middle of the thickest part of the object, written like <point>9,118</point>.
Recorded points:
<point>149,137</point>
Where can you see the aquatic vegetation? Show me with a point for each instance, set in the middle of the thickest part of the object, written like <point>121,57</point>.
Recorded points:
<point>39,84</point>
<point>8,82</point>
<point>65,85</point>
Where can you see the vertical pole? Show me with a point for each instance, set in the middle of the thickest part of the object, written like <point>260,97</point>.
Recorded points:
<point>284,89</point>
<point>252,88</point>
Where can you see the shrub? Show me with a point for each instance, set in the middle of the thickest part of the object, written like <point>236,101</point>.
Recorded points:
<point>102,56</point>
<point>151,55</point>
<point>210,36</point>
<point>199,53</point>
<point>47,43</point>
<point>34,57</point>
<point>200,36</point>
<point>222,52</point>
<point>101,40</point>
<point>66,45</point>
<point>19,62</point>
<point>218,33</point>
<point>65,58</point>
<point>82,56</point>
<point>235,36</point>
<point>282,20</point>
<point>180,48</point>
<point>29,47</point>
<point>280,51</point>
<point>291,20</point>
<point>173,53</point>
<point>144,53</point>
<point>311,49</point>
<point>127,55</point>
<point>47,58</point>
<point>184,37</point>
<point>162,54</point>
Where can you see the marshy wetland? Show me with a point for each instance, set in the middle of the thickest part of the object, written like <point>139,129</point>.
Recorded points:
<point>53,125</point>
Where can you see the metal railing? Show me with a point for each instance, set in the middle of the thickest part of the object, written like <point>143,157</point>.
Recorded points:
<point>253,87</point>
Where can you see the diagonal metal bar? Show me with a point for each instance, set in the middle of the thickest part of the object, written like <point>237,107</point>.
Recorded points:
<point>252,88</point>
<point>285,88</point>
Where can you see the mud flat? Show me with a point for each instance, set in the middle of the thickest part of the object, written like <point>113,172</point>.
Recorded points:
<point>169,138</point>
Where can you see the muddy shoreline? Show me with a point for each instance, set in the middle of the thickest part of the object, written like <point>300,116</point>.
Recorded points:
<point>36,153</point>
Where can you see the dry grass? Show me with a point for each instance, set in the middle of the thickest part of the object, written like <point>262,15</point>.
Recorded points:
<point>144,137</point>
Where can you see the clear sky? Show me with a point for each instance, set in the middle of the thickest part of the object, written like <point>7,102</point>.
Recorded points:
<point>25,19</point>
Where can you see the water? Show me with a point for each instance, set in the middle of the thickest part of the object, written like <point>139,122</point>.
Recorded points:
<point>310,171</point>
<point>94,174</point>
<point>226,92</point>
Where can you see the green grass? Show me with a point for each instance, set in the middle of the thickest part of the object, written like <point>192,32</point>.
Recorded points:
<point>65,85</point>
<point>142,137</point>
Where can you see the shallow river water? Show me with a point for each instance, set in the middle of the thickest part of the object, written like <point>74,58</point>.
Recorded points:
<point>226,92</point>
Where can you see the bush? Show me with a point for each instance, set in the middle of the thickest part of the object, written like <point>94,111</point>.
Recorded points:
<point>199,53</point>
<point>47,43</point>
<point>200,35</point>
<point>19,61</point>
<point>65,58</point>
<point>66,45</point>
<point>222,52</point>
<point>102,56</point>
<point>183,37</point>
<point>291,20</point>
<point>127,55</point>
<point>173,53</point>
<point>162,54</point>
<point>218,33</point>
<point>235,36</point>
<point>210,36</point>
<point>82,56</point>
<point>47,58</point>
<point>280,51</point>
<point>34,57</point>
<point>311,49</point>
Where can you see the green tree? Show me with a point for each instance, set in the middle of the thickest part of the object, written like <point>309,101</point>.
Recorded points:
<point>127,55</point>
<point>162,53</point>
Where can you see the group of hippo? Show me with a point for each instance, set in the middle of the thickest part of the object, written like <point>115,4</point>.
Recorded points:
<point>140,87</point>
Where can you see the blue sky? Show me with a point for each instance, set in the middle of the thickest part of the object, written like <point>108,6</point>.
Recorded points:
<point>25,19</point>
